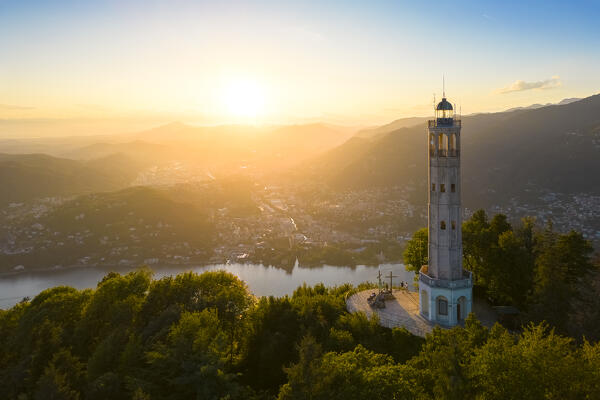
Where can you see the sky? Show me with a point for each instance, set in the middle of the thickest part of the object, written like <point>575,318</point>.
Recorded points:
<point>265,62</point>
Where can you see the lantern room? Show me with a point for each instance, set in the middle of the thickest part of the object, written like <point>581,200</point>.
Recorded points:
<point>444,112</point>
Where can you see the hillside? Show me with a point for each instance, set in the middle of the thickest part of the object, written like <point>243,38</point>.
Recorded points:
<point>135,150</point>
<point>223,149</point>
<point>537,105</point>
<point>392,126</point>
<point>206,336</point>
<point>239,145</point>
<point>27,176</point>
<point>112,228</point>
<point>554,148</point>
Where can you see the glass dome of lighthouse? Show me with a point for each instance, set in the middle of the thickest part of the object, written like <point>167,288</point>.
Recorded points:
<point>444,112</point>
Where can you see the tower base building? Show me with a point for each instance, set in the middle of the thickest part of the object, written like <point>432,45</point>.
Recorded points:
<point>445,302</point>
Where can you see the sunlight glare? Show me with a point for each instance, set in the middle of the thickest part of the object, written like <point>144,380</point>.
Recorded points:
<point>243,98</point>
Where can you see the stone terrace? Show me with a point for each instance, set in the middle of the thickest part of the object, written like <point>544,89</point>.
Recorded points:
<point>403,311</point>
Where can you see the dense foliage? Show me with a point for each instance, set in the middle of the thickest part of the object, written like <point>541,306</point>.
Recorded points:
<point>206,337</point>
<point>416,252</point>
<point>190,336</point>
<point>461,363</point>
<point>547,275</point>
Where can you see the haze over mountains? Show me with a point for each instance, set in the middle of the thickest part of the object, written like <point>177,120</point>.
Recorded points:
<point>67,166</point>
<point>264,188</point>
<point>29,176</point>
<point>554,148</point>
<point>507,154</point>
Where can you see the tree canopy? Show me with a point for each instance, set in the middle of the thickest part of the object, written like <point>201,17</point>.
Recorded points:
<point>549,276</point>
<point>206,337</point>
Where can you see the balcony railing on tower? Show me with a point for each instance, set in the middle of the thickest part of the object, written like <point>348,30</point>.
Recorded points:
<point>433,123</point>
<point>445,153</point>
<point>466,281</point>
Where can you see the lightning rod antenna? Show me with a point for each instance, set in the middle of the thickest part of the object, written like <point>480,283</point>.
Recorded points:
<point>444,84</point>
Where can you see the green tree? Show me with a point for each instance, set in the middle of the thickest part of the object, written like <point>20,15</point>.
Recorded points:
<point>537,365</point>
<point>354,329</point>
<point>274,326</point>
<point>63,378</point>
<point>303,376</point>
<point>477,242</point>
<point>358,374</point>
<point>191,361</point>
<point>563,262</point>
<point>415,254</point>
<point>443,359</point>
<point>500,257</point>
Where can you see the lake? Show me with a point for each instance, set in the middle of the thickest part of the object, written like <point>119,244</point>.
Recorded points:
<point>262,280</point>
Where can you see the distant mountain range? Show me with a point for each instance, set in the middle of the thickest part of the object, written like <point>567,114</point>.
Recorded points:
<point>238,145</point>
<point>28,176</point>
<point>504,155</point>
<point>413,121</point>
<point>392,126</point>
<point>535,106</point>
<point>77,165</point>
<point>179,141</point>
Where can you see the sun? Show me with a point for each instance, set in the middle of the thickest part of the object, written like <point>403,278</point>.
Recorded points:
<point>243,98</point>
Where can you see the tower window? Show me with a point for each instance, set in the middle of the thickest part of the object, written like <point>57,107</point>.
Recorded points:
<point>442,187</point>
<point>443,225</point>
<point>442,306</point>
<point>452,187</point>
<point>453,223</point>
<point>433,187</point>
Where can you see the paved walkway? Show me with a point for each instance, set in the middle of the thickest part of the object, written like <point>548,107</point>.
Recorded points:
<point>402,311</point>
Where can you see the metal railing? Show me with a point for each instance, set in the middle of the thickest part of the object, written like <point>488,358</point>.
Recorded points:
<point>433,123</point>
<point>445,153</point>
<point>467,281</point>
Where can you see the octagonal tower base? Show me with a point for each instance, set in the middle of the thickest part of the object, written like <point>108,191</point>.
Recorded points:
<point>445,302</point>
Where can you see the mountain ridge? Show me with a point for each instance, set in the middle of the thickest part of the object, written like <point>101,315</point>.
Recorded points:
<point>553,148</point>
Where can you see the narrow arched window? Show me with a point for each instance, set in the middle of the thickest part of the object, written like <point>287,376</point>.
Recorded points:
<point>442,306</point>
<point>431,145</point>
<point>443,225</point>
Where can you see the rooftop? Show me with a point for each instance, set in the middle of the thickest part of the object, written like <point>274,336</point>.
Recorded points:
<point>444,105</point>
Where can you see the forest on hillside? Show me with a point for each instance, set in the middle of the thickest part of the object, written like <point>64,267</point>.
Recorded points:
<point>207,337</point>
<point>544,274</point>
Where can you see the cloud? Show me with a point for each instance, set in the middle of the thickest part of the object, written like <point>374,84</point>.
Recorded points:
<point>519,86</point>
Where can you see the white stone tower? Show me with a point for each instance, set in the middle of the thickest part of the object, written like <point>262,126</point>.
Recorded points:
<point>445,289</point>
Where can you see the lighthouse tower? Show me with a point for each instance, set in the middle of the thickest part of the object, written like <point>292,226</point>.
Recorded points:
<point>445,289</point>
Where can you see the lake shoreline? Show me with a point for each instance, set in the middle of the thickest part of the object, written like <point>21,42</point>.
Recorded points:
<point>261,280</point>
<point>116,268</point>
